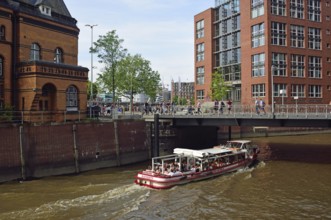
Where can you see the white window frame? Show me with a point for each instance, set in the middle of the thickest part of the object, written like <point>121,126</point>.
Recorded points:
<point>279,61</point>
<point>258,90</point>
<point>298,90</point>
<point>315,91</point>
<point>297,9</point>
<point>297,36</point>
<point>314,38</point>
<point>297,65</point>
<point>314,67</point>
<point>258,67</point>
<point>258,38</point>
<point>278,33</point>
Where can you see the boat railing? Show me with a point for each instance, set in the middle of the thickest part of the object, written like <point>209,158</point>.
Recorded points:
<point>184,163</point>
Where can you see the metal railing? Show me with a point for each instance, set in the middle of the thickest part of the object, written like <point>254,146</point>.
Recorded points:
<point>247,111</point>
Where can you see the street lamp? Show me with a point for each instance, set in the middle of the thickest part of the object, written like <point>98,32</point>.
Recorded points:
<point>273,68</point>
<point>91,97</point>
<point>296,104</point>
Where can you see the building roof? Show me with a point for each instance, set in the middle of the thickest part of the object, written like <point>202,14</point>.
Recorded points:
<point>59,10</point>
<point>57,6</point>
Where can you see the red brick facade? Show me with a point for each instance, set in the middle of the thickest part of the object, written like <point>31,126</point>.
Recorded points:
<point>49,81</point>
<point>248,80</point>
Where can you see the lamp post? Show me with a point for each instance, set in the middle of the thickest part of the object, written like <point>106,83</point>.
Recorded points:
<point>91,97</point>
<point>273,68</point>
<point>296,104</point>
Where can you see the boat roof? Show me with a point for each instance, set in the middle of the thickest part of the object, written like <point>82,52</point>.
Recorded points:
<point>240,141</point>
<point>201,153</point>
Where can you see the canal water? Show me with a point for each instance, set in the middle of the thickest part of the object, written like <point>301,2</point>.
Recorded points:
<point>292,181</point>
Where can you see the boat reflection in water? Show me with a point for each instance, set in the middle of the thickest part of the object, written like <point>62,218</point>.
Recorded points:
<point>187,165</point>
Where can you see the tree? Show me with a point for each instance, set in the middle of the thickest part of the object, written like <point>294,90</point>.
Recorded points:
<point>136,76</point>
<point>95,90</point>
<point>110,52</point>
<point>219,87</point>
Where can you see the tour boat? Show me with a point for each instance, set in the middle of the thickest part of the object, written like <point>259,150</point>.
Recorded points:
<point>188,165</point>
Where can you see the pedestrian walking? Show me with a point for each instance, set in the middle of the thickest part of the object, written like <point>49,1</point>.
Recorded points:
<point>216,106</point>
<point>257,106</point>
<point>229,106</point>
<point>262,106</point>
<point>222,106</point>
<point>199,108</point>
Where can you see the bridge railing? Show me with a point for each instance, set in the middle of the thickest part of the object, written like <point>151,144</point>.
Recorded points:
<point>286,110</point>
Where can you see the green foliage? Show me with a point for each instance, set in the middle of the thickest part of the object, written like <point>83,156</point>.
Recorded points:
<point>123,72</point>
<point>6,114</point>
<point>110,52</point>
<point>95,90</point>
<point>175,99</point>
<point>136,76</point>
<point>219,87</point>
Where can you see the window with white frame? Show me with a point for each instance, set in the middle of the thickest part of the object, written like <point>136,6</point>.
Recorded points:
<point>297,65</point>
<point>258,90</point>
<point>315,91</point>
<point>257,8</point>
<point>278,33</point>
<point>200,94</point>
<point>35,52</point>
<point>297,9</point>
<point>200,75</point>
<point>314,38</point>
<point>297,36</point>
<point>200,52</point>
<point>258,61</point>
<point>72,98</point>
<point>200,28</point>
<point>279,61</point>
<point>58,56</point>
<point>314,67</point>
<point>298,90</point>
<point>278,7</point>
<point>314,10</point>
<point>277,89</point>
<point>258,38</point>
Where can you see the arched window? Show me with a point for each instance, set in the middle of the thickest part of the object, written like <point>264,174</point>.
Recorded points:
<point>35,52</point>
<point>58,56</point>
<point>2,33</point>
<point>72,98</point>
<point>1,67</point>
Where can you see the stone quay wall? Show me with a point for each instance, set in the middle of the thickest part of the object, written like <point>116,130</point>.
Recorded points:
<point>37,151</point>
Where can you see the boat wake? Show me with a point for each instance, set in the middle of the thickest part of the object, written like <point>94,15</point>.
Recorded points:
<point>111,204</point>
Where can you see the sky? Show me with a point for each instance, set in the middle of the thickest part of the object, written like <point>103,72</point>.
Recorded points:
<point>161,31</point>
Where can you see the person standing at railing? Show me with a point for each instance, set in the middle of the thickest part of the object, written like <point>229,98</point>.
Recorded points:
<point>199,108</point>
<point>216,106</point>
<point>257,106</point>
<point>262,105</point>
<point>229,106</point>
<point>222,106</point>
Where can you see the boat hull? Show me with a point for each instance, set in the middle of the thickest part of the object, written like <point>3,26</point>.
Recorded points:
<point>155,181</point>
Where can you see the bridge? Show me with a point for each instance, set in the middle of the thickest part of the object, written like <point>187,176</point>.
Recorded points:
<point>246,115</point>
<point>318,116</point>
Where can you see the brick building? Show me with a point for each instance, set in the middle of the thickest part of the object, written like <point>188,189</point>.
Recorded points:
<point>183,90</point>
<point>262,45</point>
<point>39,57</point>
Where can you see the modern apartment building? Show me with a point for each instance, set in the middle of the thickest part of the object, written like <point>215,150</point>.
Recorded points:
<point>183,90</point>
<point>38,59</point>
<point>265,45</point>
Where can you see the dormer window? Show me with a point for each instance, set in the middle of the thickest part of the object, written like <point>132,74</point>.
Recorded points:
<point>45,10</point>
